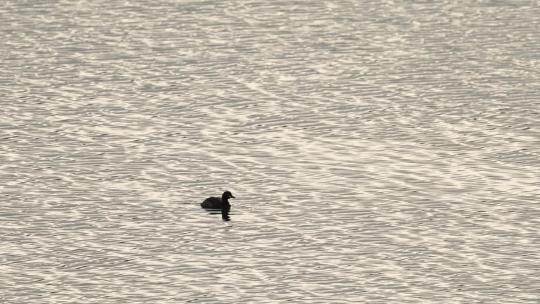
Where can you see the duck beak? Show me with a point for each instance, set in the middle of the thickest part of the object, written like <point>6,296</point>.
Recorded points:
<point>232,196</point>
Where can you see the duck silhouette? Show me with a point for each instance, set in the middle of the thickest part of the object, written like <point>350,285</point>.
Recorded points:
<point>219,203</point>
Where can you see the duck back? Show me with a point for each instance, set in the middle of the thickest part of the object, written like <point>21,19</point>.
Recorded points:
<point>212,203</point>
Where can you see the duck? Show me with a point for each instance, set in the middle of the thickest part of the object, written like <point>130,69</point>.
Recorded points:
<point>218,202</point>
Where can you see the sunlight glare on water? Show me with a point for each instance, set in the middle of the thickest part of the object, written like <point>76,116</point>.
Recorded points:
<point>379,151</point>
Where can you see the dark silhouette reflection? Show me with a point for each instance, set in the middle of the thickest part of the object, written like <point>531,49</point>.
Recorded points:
<point>223,211</point>
<point>216,205</point>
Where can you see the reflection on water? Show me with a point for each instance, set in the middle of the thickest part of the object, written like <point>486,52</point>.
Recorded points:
<point>385,151</point>
<point>224,212</point>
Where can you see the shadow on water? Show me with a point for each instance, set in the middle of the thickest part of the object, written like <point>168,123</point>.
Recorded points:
<point>224,212</point>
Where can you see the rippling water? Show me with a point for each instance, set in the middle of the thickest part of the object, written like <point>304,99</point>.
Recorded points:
<point>380,151</point>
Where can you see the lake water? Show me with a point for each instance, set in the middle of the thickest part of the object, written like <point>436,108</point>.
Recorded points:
<point>379,151</point>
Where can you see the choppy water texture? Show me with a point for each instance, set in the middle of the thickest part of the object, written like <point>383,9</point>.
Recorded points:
<point>380,151</point>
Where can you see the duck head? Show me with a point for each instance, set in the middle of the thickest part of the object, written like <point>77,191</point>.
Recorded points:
<point>227,195</point>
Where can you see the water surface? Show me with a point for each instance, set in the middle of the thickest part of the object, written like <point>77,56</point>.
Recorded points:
<point>380,151</point>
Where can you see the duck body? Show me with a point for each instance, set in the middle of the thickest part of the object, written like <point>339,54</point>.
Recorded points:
<point>213,203</point>
<point>218,202</point>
